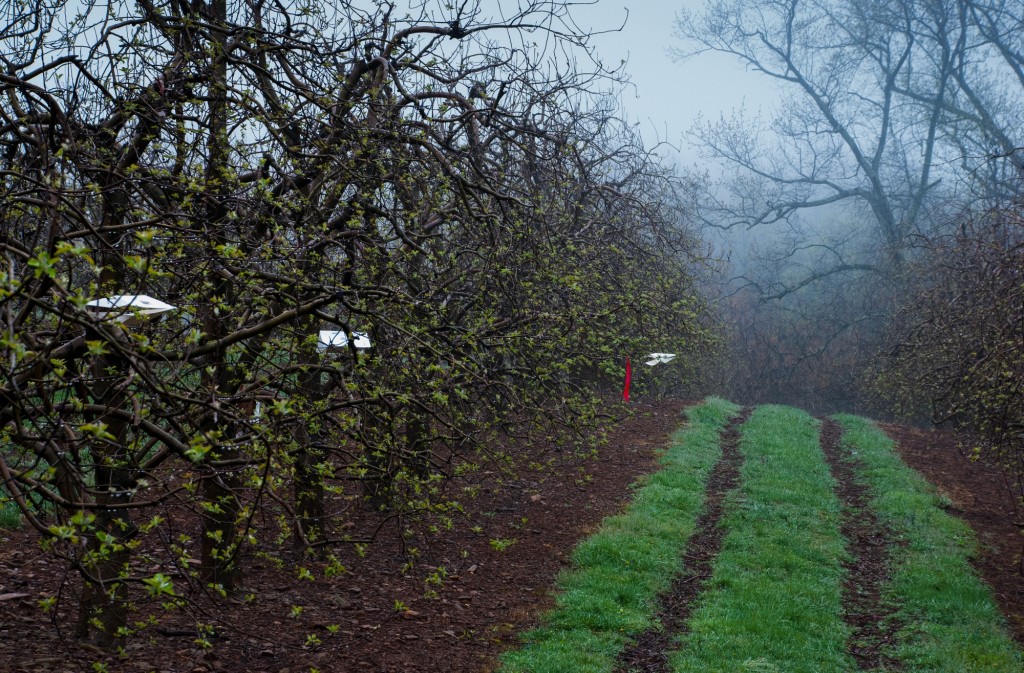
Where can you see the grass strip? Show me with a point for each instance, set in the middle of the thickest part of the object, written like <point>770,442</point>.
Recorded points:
<point>10,515</point>
<point>952,623</point>
<point>774,602</point>
<point>611,592</point>
<point>649,651</point>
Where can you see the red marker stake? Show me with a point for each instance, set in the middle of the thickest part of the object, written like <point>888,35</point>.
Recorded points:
<point>629,376</point>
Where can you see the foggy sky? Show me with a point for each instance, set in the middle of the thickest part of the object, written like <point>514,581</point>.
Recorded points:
<point>667,96</point>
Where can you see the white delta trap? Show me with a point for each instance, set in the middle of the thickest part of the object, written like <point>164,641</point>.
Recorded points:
<point>659,358</point>
<point>126,307</point>
<point>331,340</point>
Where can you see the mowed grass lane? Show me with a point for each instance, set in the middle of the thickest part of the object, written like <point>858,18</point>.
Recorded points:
<point>611,593</point>
<point>774,602</point>
<point>950,622</point>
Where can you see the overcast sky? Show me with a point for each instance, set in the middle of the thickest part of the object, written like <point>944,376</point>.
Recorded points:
<point>669,96</point>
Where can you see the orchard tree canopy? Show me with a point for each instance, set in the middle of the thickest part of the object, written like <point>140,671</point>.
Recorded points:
<point>956,345</point>
<point>454,187</point>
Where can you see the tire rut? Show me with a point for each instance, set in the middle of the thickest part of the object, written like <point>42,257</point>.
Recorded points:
<point>649,652</point>
<point>872,623</point>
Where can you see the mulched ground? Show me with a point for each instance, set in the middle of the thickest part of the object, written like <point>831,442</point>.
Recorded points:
<point>488,597</point>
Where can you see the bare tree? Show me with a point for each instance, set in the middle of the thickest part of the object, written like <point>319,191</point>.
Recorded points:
<point>891,117</point>
<point>834,139</point>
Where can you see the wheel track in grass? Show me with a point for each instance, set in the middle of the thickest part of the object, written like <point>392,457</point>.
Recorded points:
<point>872,623</point>
<point>649,652</point>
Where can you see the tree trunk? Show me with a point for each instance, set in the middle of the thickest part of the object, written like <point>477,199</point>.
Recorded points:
<point>103,610</point>
<point>221,506</point>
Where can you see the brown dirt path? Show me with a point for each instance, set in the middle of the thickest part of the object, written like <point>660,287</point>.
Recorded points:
<point>868,543</point>
<point>487,599</point>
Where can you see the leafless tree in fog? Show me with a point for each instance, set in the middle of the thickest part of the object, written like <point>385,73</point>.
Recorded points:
<point>892,117</point>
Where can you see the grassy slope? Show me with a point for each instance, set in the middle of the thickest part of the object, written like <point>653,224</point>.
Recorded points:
<point>774,600</point>
<point>952,623</point>
<point>611,592</point>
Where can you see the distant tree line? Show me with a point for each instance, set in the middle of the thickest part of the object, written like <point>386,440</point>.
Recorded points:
<point>886,186</point>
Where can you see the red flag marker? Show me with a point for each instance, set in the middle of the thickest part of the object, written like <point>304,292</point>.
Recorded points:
<point>629,376</point>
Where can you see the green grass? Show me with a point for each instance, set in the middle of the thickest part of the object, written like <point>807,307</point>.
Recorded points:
<point>16,458</point>
<point>774,601</point>
<point>952,624</point>
<point>611,592</point>
<point>10,515</point>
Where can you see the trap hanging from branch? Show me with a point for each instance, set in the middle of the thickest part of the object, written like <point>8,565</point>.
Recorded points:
<point>331,340</point>
<point>126,307</point>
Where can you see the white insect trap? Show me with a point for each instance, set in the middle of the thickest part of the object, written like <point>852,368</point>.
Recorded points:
<point>125,307</point>
<point>331,340</point>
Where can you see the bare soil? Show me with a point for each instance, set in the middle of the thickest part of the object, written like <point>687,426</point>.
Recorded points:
<point>492,592</point>
<point>869,545</point>
<point>497,583</point>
